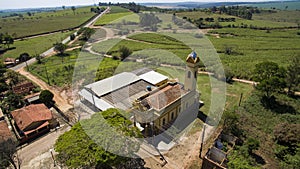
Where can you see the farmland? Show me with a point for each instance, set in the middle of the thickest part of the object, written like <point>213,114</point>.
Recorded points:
<point>250,47</point>
<point>265,19</point>
<point>278,5</point>
<point>43,22</point>
<point>115,13</point>
<point>34,46</point>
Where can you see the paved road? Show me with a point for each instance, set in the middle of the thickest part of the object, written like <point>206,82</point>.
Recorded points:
<point>51,50</point>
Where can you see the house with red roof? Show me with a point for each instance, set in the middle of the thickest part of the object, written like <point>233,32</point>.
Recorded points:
<point>32,121</point>
<point>5,132</point>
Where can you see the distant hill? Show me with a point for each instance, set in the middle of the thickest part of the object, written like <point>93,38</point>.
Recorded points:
<point>292,5</point>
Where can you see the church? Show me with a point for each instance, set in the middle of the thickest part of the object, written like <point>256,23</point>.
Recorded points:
<point>154,102</point>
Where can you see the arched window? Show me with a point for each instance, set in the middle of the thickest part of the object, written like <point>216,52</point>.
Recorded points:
<point>189,74</point>
<point>164,121</point>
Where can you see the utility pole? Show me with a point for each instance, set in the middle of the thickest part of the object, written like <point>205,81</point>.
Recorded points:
<point>47,75</point>
<point>27,66</point>
<point>201,147</point>
<point>241,97</point>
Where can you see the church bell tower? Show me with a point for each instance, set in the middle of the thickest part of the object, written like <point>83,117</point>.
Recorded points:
<point>192,66</point>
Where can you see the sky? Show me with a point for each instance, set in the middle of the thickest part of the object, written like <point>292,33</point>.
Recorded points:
<point>16,4</point>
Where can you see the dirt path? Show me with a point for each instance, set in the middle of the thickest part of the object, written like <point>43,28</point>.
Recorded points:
<point>61,101</point>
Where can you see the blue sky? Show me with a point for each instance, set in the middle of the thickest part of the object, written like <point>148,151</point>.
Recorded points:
<point>15,4</point>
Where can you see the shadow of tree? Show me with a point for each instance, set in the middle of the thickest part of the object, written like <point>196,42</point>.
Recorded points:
<point>258,159</point>
<point>276,106</point>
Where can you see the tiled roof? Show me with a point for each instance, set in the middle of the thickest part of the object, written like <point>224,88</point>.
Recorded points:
<point>24,117</point>
<point>4,131</point>
<point>164,97</point>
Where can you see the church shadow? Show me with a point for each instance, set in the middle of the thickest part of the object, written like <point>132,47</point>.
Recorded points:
<point>202,116</point>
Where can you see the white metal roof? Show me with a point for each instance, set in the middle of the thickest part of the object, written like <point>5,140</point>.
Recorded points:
<point>153,77</point>
<point>99,103</point>
<point>113,83</point>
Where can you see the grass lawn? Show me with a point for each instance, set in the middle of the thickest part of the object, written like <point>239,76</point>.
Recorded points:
<point>35,45</point>
<point>254,46</point>
<point>45,21</point>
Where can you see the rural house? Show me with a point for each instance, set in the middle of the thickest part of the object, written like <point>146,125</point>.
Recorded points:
<point>32,121</point>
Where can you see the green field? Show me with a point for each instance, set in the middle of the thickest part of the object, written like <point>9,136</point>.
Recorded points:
<point>278,16</point>
<point>34,46</point>
<point>278,5</point>
<point>139,42</point>
<point>44,22</point>
<point>250,47</point>
<point>115,13</point>
<point>283,19</point>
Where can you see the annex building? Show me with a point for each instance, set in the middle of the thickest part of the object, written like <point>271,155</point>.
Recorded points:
<point>154,101</point>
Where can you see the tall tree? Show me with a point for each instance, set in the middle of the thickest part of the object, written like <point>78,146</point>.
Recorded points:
<point>8,40</point>
<point>24,57</point>
<point>73,9</point>
<point>8,156</point>
<point>270,77</point>
<point>60,48</point>
<point>46,97</point>
<point>293,75</point>
<point>124,52</point>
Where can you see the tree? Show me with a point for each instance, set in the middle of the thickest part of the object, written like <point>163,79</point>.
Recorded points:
<point>39,58</point>
<point>46,97</point>
<point>14,101</point>
<point>73,9</point>
<point>63,7</point>
<point>8,156</point>
<point>270,77</point>
<point>76,149</point>
<point>124,52</point>
<point>24,57</point>
<point>8,40</point>
<point>86,33</point>
<point>60,48</point>
<point>293,75</point>
<point>287,134</point>
<point>148,20</point>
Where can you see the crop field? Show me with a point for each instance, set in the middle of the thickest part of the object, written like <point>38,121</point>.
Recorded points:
<point>115,13</point>
<point>279,16</point>
<point>261,20</point>
<point>34,46</point>
<point>44,21</point>
<point>279,5</point>
<point>60,69</point>
<point>250,47</point>
<point>139,42</point>
<point>117,9</point>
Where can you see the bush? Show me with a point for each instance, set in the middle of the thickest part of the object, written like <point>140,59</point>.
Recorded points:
<point>46,97</point>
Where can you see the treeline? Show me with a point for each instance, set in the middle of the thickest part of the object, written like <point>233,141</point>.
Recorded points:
<point>136,8</point>
<point>239,11</point>
<point>98,9</point>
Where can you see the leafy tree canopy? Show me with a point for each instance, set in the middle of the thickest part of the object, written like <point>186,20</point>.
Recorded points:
<point>46,97</point>
<point>91,142</point>
<point>270,77</point>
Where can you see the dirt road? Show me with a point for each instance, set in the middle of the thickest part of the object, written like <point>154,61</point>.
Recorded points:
<point>63,103</point>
